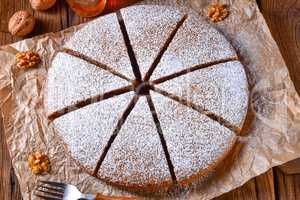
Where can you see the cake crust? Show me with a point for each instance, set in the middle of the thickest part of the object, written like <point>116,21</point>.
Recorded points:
<point>157,141</point>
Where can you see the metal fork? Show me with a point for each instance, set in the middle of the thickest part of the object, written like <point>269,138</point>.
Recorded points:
<point>49,190</point>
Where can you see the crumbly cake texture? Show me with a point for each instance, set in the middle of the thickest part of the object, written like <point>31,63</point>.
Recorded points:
<point>149,31</point>
<point>71,80</point>
<point>83,132</point>
<point>195,43</point>
<point>221,89</point>
<point>102,40</point>
<point>194,141</point>
<point>136,157</point>
<point>140,155</point>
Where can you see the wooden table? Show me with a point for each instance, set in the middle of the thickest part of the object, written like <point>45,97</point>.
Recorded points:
<point>283,18</point>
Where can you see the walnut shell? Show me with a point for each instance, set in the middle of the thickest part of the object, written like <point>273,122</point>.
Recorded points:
<point>21,23</point>
<point>42,4</point>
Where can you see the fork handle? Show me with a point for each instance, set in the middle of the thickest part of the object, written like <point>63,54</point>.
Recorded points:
<point>104,197</point>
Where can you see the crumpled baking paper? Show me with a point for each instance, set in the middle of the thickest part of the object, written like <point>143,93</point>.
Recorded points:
<point>271,135</point>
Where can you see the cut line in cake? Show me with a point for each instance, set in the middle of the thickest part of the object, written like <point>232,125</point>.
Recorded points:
<point>102,40</point>
<point>83,128</point>
<point>135,150</point>
<point>192,69</point>
<point>117,129</point>
<point>89,101</point>
<point>195,43</point>
<point>221,89</point>
<point>94,62</point>
<point>198,108</point>
<point>161,137</point>
<point>130,51</point>
<point>164,49</point>
<point>187,141</point>
<point>149,31</point>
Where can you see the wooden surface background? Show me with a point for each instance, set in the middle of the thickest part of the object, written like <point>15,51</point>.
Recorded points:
<point>283,18</point>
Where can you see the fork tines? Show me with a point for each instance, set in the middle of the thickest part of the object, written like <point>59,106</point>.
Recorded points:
<point>50,190</point>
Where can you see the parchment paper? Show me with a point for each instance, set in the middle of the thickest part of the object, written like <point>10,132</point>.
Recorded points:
<point>271,136</point>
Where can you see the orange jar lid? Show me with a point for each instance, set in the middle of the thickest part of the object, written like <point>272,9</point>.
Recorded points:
<point>87,8</point>
<point>113,5</point>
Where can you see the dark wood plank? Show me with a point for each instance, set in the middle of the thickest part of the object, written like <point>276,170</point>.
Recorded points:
<point>288,186</point>
<point>246,192</point>
<point>292,167</point>
<point>9,186</point>
<point>260,188</point>
<point>52,20</point>
<point>265,186</point>
<point>283,18</point>
<point>7,9</point>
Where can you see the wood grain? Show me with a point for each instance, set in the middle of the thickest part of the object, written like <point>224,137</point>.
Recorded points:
<point>283,18</point>
<point>9,187</point>
<point>261,187</point>
<point>292,167</point>
<point>288,186</point>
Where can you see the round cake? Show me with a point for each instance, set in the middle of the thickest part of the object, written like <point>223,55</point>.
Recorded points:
<point>147,97</point>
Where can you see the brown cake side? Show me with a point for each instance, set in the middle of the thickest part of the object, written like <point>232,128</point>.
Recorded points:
<point>160,139</point>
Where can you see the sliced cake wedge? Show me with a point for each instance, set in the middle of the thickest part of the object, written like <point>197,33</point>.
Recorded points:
<point>72,80</point>
<point>196,143</point>
<point>136,157</point>
<point>84,132</point>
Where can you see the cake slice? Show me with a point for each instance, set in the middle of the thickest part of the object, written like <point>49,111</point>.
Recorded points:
<point>221,89</point>
<point>102,40</point>
<point>195,43</point>
<point>83,132</point>
<point>71,80</point>
<point>149,31</point>
<point>136,158</point>
<point>196,143</point>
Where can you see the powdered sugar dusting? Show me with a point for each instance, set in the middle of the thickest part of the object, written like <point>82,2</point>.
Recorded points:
<point>86,131</point>
<point>149,30</point>
<point>71,80</point>
<point>194,141</point>
<point>102,40</point>
<point>221,89</point>
<point>196,42</point>
<point>136,156</point>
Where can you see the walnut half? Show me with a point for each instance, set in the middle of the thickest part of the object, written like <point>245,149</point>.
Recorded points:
<point>217,12</point>
<point>27,59</point>
<point>39,163</point>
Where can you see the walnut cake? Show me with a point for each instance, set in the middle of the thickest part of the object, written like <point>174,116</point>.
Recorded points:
<point>147,97</point>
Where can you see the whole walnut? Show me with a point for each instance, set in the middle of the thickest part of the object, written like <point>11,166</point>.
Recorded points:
<point>21,23</point>
<point>42,4</point>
